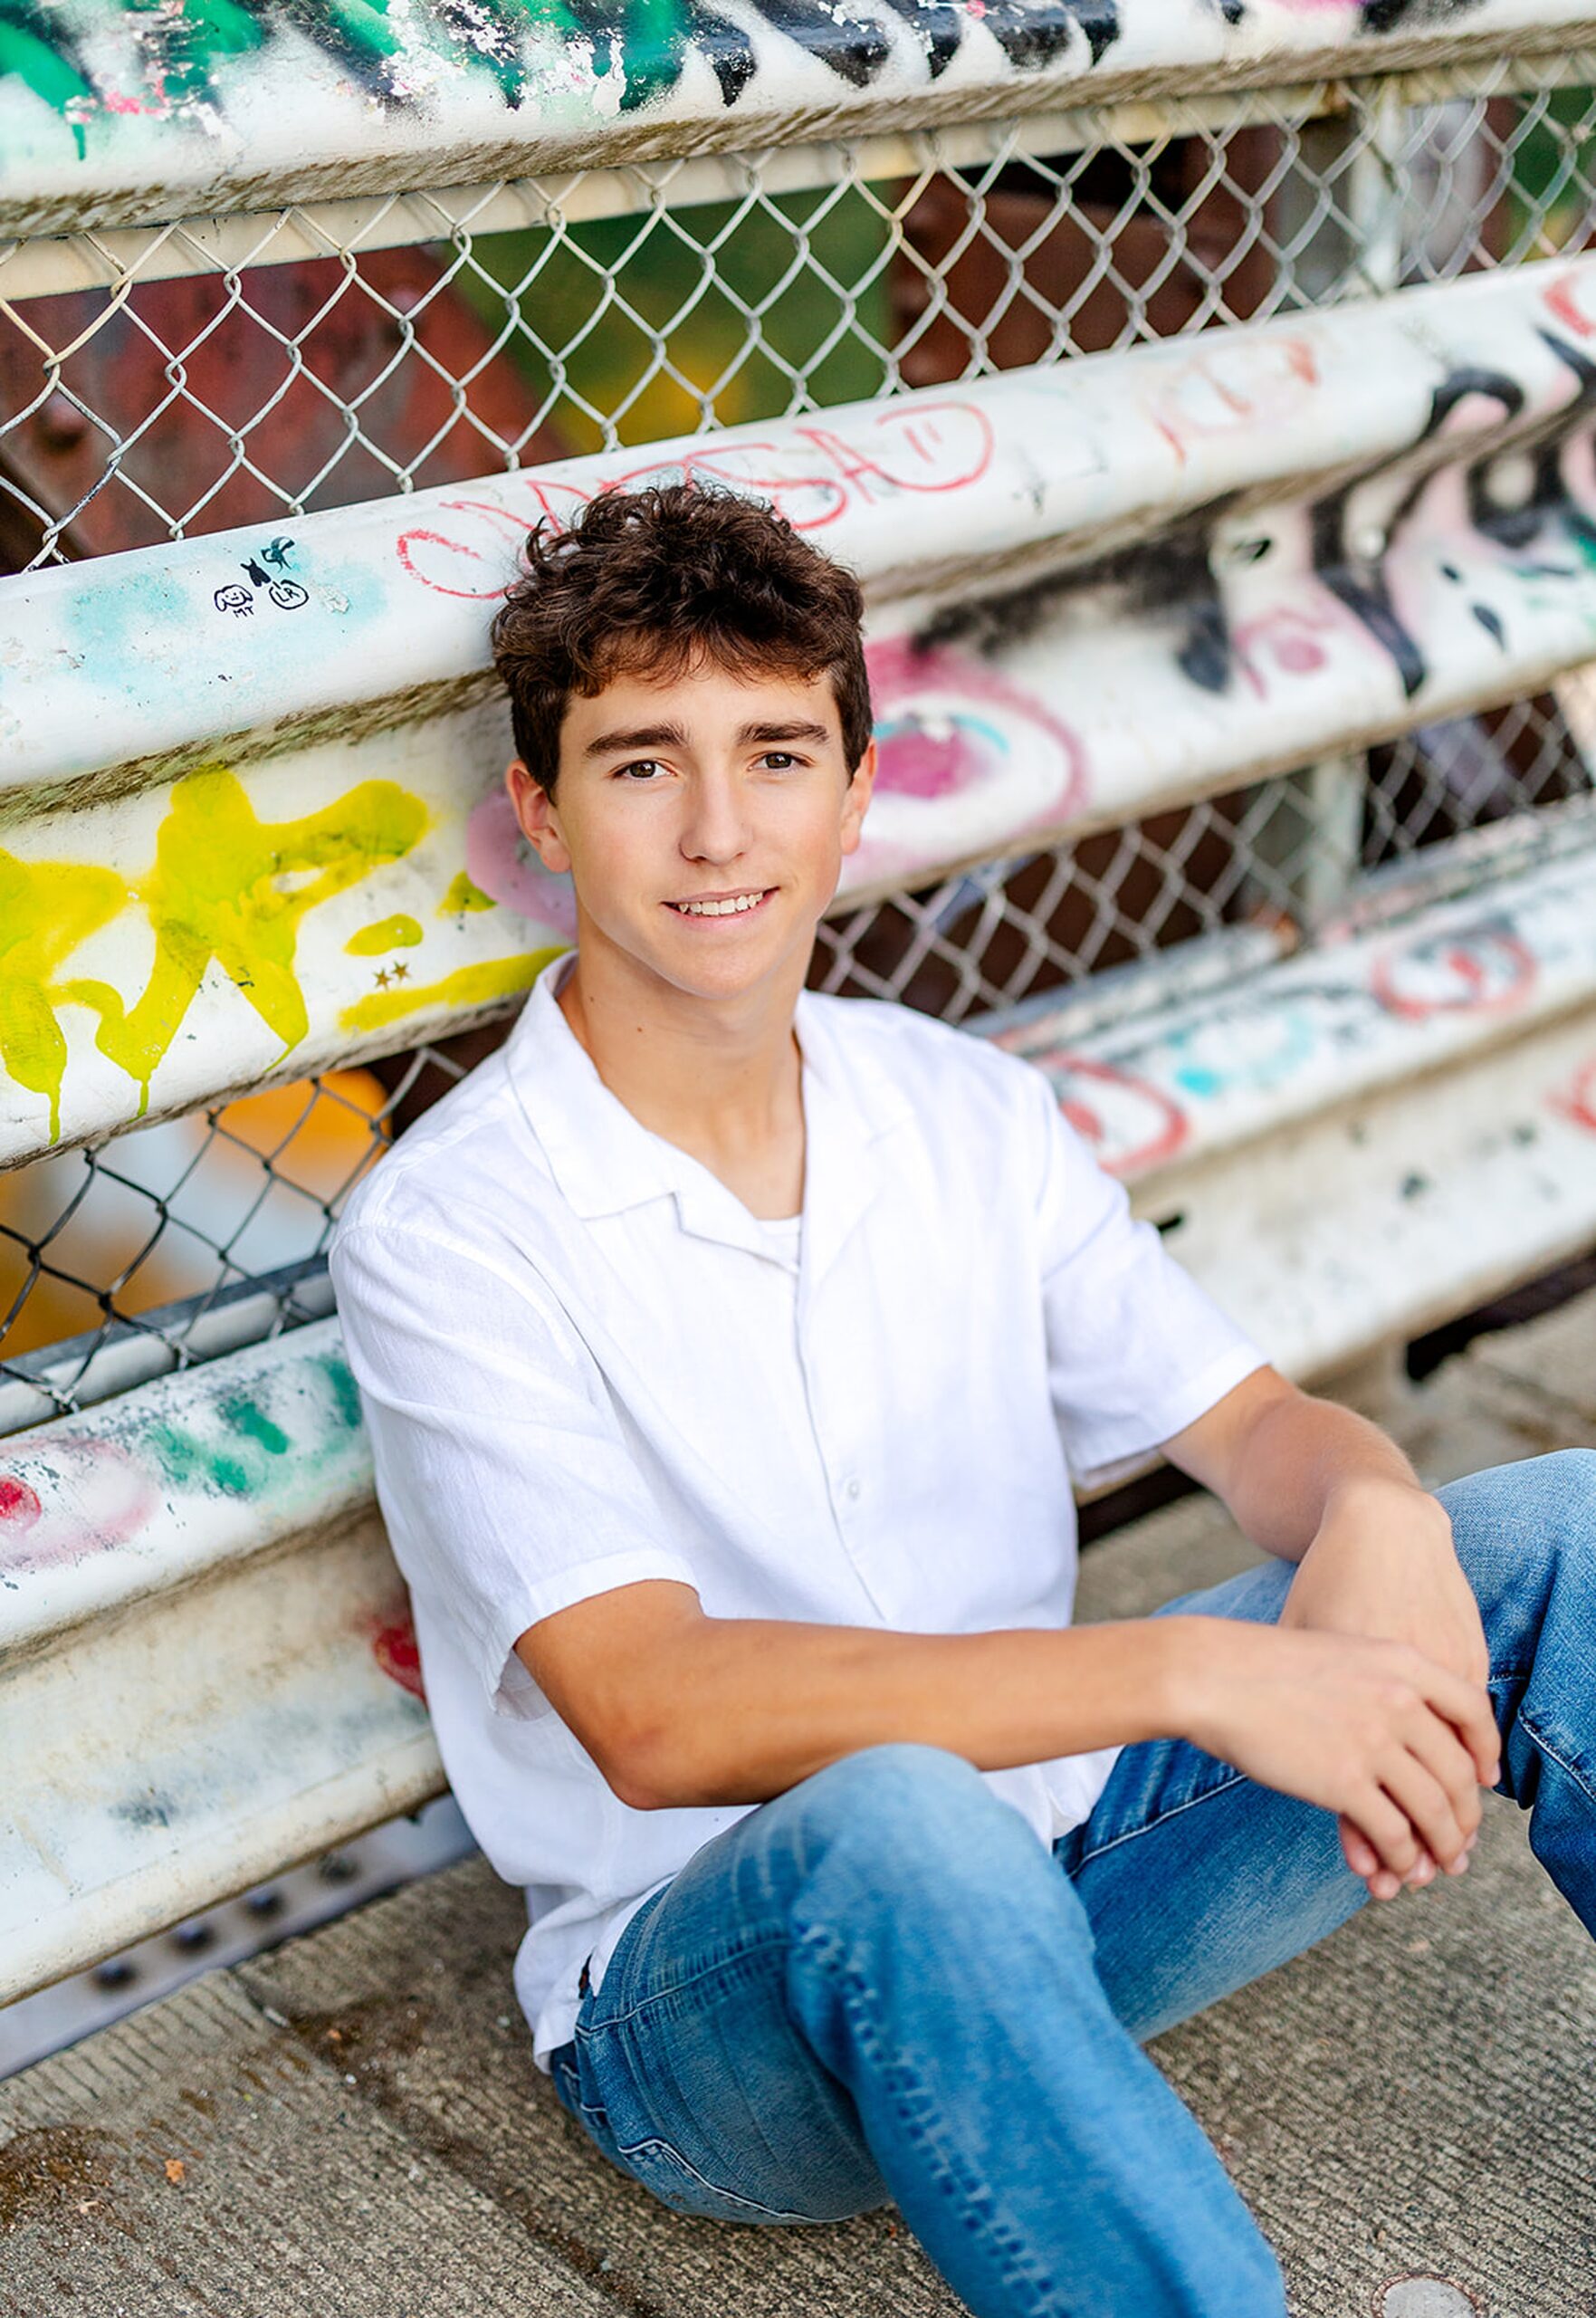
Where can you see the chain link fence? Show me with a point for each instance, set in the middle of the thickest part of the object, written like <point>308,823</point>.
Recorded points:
<point>166,383</point>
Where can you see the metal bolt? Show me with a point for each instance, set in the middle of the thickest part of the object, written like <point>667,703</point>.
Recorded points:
<point>1414,2296</point>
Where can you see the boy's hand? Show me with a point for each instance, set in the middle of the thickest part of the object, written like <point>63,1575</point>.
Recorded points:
<point>1373,1731</point>
<point>1381,1563</point>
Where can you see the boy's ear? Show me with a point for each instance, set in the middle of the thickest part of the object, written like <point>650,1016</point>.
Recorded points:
<point>534,809</point>
<point>857,798</point>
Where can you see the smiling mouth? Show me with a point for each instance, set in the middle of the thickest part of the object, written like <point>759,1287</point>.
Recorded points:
<point>742,905</point>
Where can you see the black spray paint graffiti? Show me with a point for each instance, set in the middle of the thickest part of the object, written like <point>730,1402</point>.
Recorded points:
<point>1352,531</point>
<point>187,49</point>
<point>1498,509</point>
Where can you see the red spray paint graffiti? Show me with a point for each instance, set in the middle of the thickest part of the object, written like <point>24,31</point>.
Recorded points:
<point>394,1647</point>
<point>1578,1102</point>
<point>1131,1125</point>
<point>1482,969</point>
<point>813,477</point>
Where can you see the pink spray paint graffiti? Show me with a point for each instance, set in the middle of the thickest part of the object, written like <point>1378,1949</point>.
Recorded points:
<point>967,758</point>
<point>503,865</point>
<point>82,1496</point>
<point>1288,641</point>
<point>1224,387</point>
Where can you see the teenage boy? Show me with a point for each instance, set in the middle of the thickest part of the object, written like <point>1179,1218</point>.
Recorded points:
<point>726,1350</point>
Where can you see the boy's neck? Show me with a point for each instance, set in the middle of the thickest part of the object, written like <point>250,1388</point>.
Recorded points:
<point>721,1080</point>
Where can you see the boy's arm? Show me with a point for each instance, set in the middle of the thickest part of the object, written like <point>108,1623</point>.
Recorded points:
<point>1322,1487</point>
<point>679,1708</point>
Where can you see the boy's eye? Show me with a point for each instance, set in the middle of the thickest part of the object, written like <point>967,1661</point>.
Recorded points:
<point>779,758</point>
<point>644,765</point>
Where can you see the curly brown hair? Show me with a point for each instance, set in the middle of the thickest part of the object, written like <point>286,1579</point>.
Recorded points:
<point>659,581</point>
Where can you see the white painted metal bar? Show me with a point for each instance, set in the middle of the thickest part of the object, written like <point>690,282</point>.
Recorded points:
<point>1362,1010</point>
<point>103,125</point>
<point>115,1358</point>
<point>48,265</point>
<point>198,1567</point>
<point>161,655</point>
<point>1437,1070</point>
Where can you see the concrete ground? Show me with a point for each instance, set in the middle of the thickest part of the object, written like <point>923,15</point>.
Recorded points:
<point>352,2127</point>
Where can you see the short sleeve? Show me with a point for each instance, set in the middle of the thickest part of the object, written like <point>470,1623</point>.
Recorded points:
<point>506,1487</point>
<point>1136,1350</point>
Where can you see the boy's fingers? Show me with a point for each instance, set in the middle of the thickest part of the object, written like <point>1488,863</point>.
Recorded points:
<point>1467,1706</point>
<point>1357,1850</point>
<point>1424,1802</point>
<point>1391,1833</point>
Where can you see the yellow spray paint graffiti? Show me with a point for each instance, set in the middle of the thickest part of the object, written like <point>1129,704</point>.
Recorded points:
<point>224,885</point>
<point>464,893</point>
<point>227,886</point>
<point>46,909</point>
<point>401,932</point>
<point>466,986</point>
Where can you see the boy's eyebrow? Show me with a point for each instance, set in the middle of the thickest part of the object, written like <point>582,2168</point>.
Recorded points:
<point>671,736</point>
<point>793,732</point>
<point>644,736</point>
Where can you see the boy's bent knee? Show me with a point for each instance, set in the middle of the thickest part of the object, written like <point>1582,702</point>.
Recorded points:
<point>905,1818</point>
<point>1547,1500</point>
<point>900,1783</point>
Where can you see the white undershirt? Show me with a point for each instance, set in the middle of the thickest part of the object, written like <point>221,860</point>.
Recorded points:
<point>780,1236</point>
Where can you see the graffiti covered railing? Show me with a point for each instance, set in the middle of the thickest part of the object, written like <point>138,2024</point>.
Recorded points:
<point>161,381</point>
<point>1201,668</point>
<point>1303,531</point>
<point>117,114</point>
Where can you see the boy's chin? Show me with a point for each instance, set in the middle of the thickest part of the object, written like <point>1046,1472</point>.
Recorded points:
<point>718,980</point>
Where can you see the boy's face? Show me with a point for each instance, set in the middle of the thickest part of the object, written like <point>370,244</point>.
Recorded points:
<point>700,788</point>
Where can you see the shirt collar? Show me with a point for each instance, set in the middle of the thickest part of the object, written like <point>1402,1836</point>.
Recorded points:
<point>606,1161</point>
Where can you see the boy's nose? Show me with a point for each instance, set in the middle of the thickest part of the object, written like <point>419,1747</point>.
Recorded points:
<point>715,828</point>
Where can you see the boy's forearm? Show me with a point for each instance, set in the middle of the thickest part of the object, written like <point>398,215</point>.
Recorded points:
<point>749,1707</point>
<point>1300,1455</point>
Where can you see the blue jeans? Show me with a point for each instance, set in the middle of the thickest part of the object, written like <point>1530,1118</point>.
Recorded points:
<point>879,1987</point>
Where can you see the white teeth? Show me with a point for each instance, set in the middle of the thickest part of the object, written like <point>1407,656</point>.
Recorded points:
<point>719,909</point>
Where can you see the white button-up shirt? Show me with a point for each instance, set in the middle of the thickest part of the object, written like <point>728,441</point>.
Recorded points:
<point>584,1362</point>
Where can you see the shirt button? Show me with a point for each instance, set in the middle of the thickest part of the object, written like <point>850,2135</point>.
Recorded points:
<point>852,1488</point>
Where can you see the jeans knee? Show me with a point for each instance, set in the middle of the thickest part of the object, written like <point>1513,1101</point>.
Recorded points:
<point>1572,1478</point>
<point>901,1785</point>
<point>1549,1499</point>
<point>1526,1534</point>
<point>1566,1490</point>
<point>916,1822</point>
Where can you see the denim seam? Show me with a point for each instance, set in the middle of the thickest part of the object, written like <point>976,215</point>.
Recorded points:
<point>658,1995</point>
<point>1539,1739</point>
<point>1221,1787</point>
<point>732,2197</point>
<point>855,1997</point>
